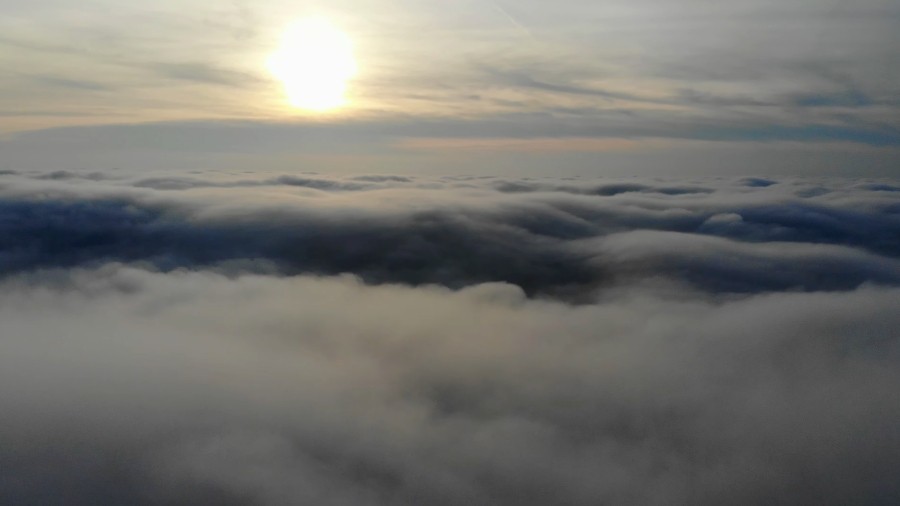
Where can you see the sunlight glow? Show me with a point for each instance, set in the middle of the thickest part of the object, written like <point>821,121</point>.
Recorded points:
<point>315,63</point>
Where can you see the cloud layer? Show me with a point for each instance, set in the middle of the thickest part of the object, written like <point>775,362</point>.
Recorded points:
<point>376,340</point>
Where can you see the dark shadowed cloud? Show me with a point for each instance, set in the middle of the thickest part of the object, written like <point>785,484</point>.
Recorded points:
<point>563,238</point>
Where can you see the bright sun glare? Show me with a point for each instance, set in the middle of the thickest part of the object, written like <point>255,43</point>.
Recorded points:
<point>315,64</point>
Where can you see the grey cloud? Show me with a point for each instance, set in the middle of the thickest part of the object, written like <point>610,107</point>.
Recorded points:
<point>849,98</point>
<point>73,84</point>
<point>201,72</point>
<point>880,187</point>
<point>605,190</point>
<point>720,265</point>
<point>185,183</point>
<point>70,174</point>
<point>524,79</point>
<point>379,136</point>
<point>382,179</point>
<point>758,182</point>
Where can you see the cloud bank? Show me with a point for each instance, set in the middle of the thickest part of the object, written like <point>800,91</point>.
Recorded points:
<point>376,340</point>
<point>549,237</point>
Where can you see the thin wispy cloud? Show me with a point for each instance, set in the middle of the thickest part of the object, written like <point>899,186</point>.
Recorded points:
<point>802,71</point>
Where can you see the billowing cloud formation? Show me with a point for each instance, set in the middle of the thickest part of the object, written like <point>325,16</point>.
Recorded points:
<point>548,237</point>
<point>378,340</point>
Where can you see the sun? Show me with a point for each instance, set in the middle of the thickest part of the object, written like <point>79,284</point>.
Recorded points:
<point>315,64</point>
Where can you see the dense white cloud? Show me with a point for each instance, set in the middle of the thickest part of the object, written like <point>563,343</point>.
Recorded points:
<point>126,385</point>
<point>490,341</point>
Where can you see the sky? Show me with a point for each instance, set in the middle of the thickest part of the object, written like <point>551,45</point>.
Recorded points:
<point>471,86</point>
